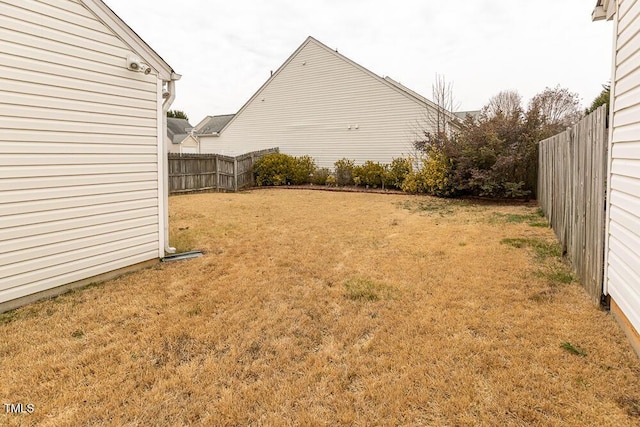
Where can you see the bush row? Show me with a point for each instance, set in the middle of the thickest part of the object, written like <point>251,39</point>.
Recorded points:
<point>434,176</point>
<point>281,169</point>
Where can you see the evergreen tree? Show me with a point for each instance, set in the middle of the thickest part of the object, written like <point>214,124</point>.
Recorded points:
<point>178,114</point>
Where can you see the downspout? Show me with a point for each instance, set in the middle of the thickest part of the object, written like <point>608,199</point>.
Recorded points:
<point>168,100</point>
<point>612,102</point>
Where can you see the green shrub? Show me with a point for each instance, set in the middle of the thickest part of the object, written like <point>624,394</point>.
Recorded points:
<point>371,174</point>
<point>413,183</point>
<point>398,171</point>
<point>331,181</point>
<point>303,169</point>
<point>435,171</point>
<point>344,172</point>
<point>272,169</point>
<point>432,178</point>
<point>515,190</point>
<point>282,169</point>
<point>320,176</point>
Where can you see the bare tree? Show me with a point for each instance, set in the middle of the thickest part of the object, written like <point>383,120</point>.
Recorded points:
<point>558,108</point>
<point>438,119</point>
<point>442,93</point>
<point>506,102</point>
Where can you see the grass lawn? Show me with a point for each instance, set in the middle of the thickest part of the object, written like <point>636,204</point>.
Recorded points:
<point>324,308</point>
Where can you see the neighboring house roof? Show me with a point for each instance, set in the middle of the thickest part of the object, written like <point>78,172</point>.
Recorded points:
<point>178,138</point>
<point>462,115</point>
<point>387,81</point>
<point>177,129</point>
<point>213,125</point>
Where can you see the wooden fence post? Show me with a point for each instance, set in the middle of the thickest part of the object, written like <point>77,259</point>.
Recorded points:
<point>217,173</point>
<point>235,174</point>
<point>253,181</point>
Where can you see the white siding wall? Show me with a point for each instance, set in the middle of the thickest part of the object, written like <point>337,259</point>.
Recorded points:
<point>171,147</point>
<point>78,149</point>
<point>623,255</point>
<point>188,146</point>
<point>308,106</point>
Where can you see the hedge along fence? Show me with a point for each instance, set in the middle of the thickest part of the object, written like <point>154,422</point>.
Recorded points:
<point>212,172</point>
<point>571,192</point>
<point>282,169</point>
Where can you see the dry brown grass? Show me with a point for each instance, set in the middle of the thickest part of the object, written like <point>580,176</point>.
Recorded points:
<point>314,308</point>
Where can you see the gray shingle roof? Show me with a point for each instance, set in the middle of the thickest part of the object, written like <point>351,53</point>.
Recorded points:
<point>177,125</point>
<point>177,129</point>
<point>214,124</point>
<point>462,115</point>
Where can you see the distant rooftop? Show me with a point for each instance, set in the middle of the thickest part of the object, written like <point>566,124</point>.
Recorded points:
<point>462,115</point>
<point>177,129</point>
<point>213,124</point>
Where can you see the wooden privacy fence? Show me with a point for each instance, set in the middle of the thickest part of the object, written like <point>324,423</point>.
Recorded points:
<point>571,192</point>
<point>212,172</point>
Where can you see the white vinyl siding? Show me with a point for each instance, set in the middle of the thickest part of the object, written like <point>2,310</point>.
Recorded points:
<point>325,106</point>
<point>188,146</point>
<point>623,254</point>
<point>78,149</point>
<point>173,148</point>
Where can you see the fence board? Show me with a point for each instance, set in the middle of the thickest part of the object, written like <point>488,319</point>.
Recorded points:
<point>571,193</point>
<point>212,172</point>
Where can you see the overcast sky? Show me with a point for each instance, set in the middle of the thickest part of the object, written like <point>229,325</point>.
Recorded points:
<point>226,49</point>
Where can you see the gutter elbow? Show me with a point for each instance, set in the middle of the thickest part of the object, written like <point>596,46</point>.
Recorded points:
<point>170,95</point>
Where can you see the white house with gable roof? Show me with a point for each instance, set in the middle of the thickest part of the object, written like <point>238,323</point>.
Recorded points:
<point>83,187</point>
<point>322,104</point>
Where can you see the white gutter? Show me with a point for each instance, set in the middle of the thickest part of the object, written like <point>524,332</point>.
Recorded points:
<point>612,107</point>
<point>163,165</point>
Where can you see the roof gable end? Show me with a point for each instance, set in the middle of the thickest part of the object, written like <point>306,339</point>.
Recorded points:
<point>413,96</point>
<point>109,18</point>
